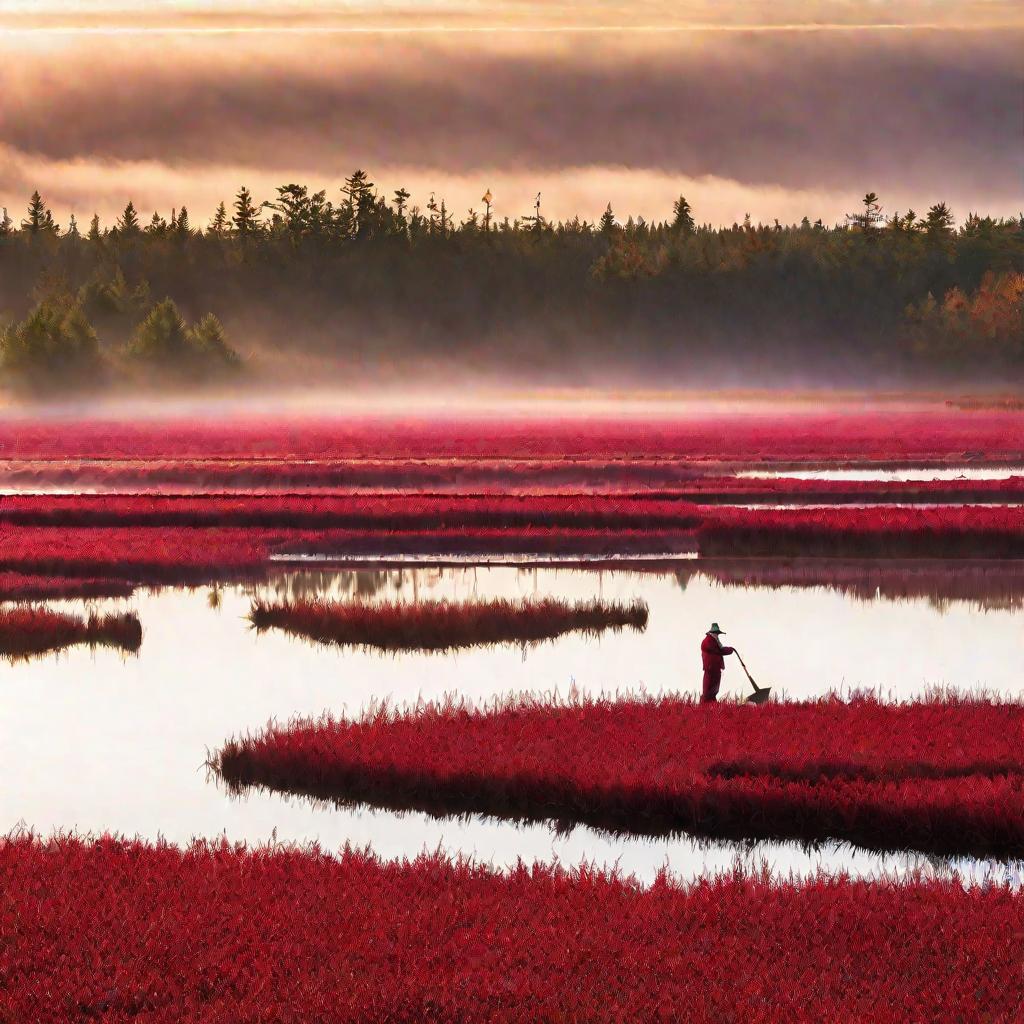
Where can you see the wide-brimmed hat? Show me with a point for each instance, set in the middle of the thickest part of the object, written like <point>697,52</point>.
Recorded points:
<point>714,629</point>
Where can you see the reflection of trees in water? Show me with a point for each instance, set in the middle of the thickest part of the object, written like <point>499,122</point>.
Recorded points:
<point>990,586</point>
<point>313,583</point>
<point>361,584</point>
<point>683,576</point>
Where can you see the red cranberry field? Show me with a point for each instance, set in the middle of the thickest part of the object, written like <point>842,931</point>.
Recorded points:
<point>426,560</point>
<point>115,931</point>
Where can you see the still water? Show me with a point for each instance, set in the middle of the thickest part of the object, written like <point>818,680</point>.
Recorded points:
<point>897,473</point>
<point>95,741</point>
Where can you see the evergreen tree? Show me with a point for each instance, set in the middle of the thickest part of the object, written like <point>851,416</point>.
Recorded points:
<point>161,339</point>
<point>128,223</point>
<point>293,206</point>
<point>210,344</point>
<point>219,224</point>
<point>6,225</point>
<point>607,223</point>
<point>94,228</point>
<point>39,220</point>
<point>246,218</point>
<point>163,342</point>
<point>358,192</point>
<point>682,217</point>
<point>938,225</point>
<point>73,231</point>
<point>182,227</point>
<point>55,347</point>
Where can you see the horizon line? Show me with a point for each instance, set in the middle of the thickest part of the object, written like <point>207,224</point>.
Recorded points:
<point>504,29</point>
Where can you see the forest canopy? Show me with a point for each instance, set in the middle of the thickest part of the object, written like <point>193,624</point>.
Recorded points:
<point>366,286</point>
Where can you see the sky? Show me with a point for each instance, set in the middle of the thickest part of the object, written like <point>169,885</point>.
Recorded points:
<point>777,110</point>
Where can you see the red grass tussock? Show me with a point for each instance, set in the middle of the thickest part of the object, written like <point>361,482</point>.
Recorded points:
<point>16,586</point>
<point>938,776</point>
<point>27,632</point>
<point>955,532</point>
<point>118,930</point>
<point>444,625</point>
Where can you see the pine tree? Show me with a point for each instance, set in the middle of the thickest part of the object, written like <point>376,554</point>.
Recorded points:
<point>128,223</point>
<point>94,228</point>
<point>938,225</point>
<point>162,338</point>
<point>182,227</point>
<point>6,225</point>
<point>246,218</point>
<point>39,220</point>
<point>401,198</point>
<point>682,221</point>
<point>293,205</point>
<point>607,223</point>
<point>54,348</point>
<point>210,344</point>
<point>73,231</point>
<point>219,224</point>
<point>358,192</point>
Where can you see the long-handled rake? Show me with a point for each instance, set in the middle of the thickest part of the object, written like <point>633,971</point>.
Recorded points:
<point>761,693</point>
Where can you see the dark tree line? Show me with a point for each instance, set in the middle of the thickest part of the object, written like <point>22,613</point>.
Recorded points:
<point>368,281</point>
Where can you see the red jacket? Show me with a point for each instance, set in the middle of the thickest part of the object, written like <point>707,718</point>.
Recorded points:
<point>712,651</point>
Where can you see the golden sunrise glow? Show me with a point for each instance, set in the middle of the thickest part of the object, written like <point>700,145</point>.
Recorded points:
<point>454,97</point>
<point>475,15</point>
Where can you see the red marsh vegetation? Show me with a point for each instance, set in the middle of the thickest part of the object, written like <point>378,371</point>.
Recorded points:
<point>27,632</point>
<point>116,930</point>
<point>741,434</point>
<point>939,776</point>
<point>138,550</point>
<point>444,625</point>
<point>351,512</point>
<point>196,555</point>
<point>16,586</point>
<point>953,532</point>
